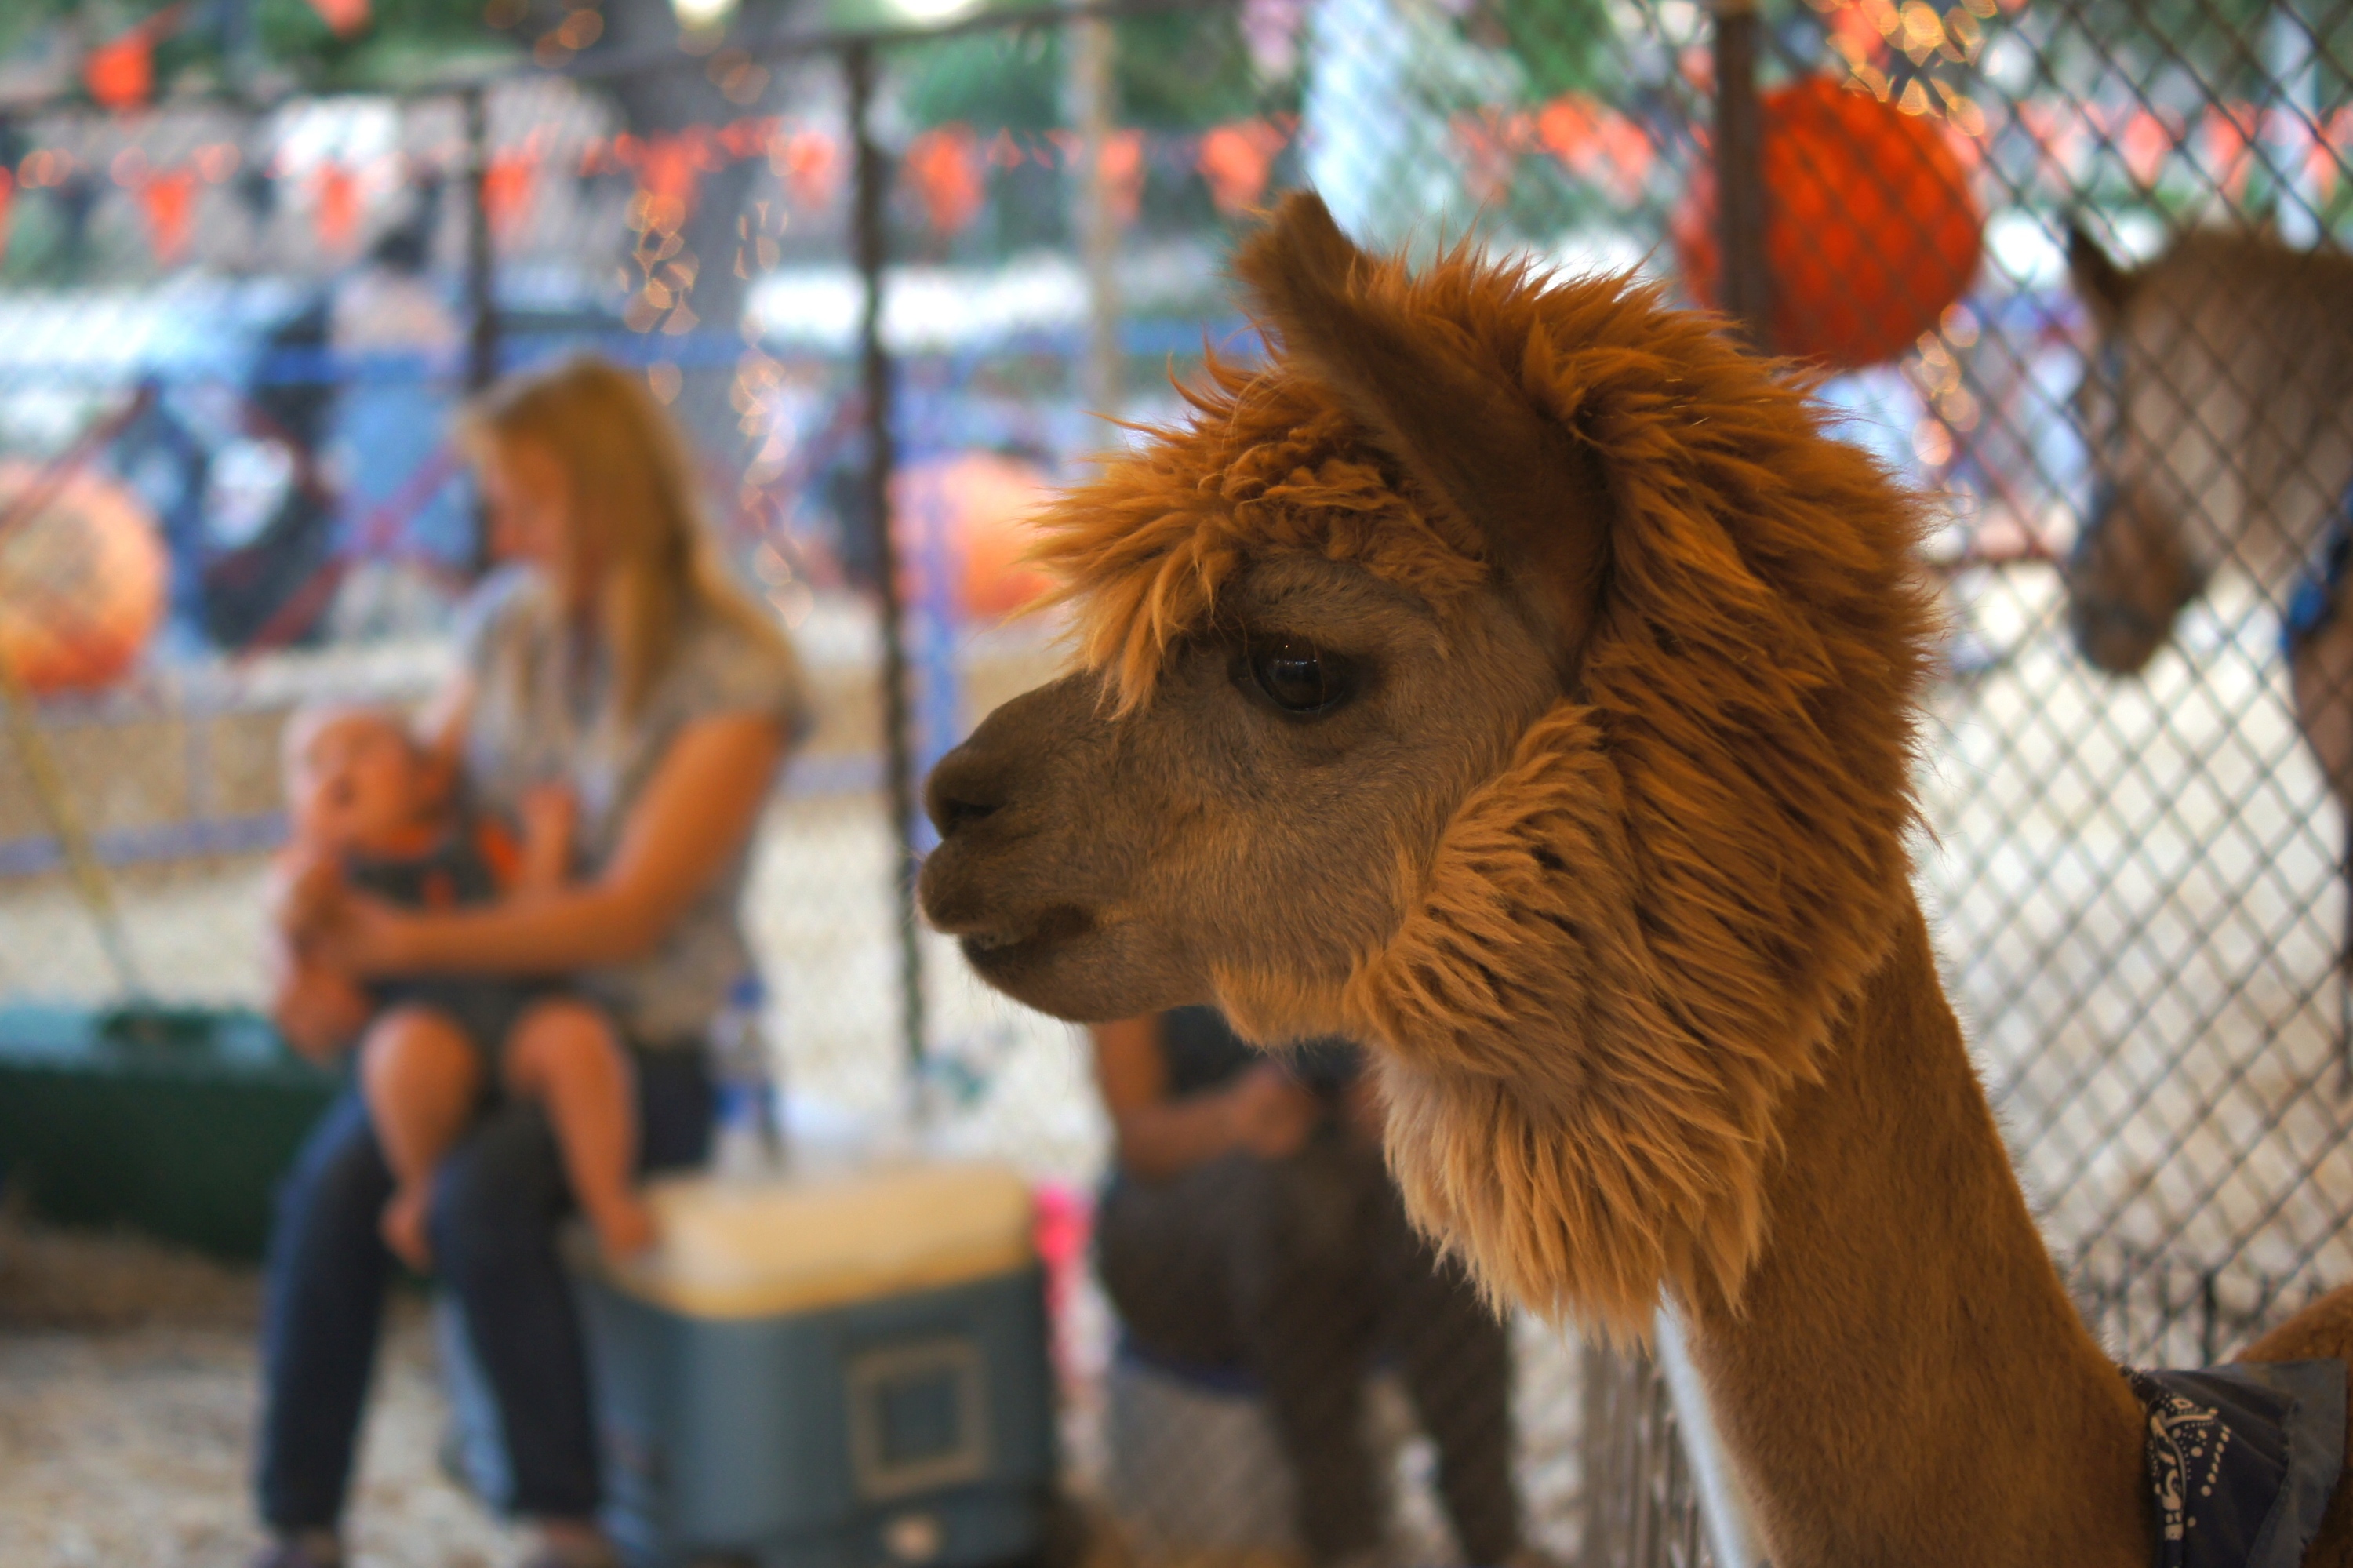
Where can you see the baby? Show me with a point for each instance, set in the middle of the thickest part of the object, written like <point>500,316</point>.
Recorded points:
<point>369,804</point>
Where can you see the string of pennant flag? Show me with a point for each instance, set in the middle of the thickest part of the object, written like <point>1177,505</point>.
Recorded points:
<point>946,168</point>
<point>119,73</point>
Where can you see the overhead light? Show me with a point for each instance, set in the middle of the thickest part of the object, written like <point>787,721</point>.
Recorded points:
<point>701,15</point>
<point>927,12</point>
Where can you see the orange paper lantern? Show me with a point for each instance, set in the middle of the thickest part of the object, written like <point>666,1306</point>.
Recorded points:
<point>346,17</point>
<point>1870,232</point>
<point>81,582</point>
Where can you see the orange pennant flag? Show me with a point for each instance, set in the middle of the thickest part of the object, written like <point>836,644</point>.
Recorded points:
<point>1236,161</point>
<point>669,178</point>
<point>2145,143</point>
<point>168,199</point>
<point>508,186</point>
<point>336,210</point>
<point>121,75</point>
<point>810,164</point>
<point>1121,169</point>
<point>945,164</point>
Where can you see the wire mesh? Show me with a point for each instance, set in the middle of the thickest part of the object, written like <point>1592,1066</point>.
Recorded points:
<point>1641,1507</point>
<point>2137,873</point>
<point>2137,878</point>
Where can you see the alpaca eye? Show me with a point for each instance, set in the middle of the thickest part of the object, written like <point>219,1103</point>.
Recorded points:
<point>1299,677</point>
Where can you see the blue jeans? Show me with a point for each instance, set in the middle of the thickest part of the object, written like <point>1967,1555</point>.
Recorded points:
<point>493,1224</point>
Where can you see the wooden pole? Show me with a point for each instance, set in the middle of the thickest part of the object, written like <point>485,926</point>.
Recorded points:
<point>90,877</point>
<point>1740,195</point>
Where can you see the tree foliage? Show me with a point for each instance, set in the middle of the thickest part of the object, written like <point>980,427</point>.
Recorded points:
<point>404,43</point>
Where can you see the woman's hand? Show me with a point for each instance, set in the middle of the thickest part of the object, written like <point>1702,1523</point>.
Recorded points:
<point>1364,1112</point>
<point>1272,1113</point>
<point>319,1011</point>
<point>688,823</point>
<point>361,935</point>
<point>302,882</point>
<point>1265,1112</point>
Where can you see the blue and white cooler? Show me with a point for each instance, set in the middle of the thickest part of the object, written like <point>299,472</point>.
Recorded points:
<point>841,1373</point>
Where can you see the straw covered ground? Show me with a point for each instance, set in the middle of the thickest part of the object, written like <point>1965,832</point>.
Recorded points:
<point>127,1404</point>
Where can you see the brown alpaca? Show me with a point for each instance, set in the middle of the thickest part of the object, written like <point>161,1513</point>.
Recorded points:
<point>1512,675</point>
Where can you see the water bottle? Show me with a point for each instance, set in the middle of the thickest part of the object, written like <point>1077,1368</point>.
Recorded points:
<point>747,1141</point>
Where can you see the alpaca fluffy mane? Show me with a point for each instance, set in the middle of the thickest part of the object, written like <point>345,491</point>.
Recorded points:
<point>1634,940</point>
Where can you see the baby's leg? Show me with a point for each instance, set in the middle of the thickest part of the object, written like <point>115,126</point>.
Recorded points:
<point>423,1079</point>
<point>566,1055</point>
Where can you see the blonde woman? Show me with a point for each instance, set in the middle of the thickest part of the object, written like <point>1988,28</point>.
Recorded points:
<point>614,660</point>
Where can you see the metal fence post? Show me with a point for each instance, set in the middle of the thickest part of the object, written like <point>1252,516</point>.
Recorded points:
<point>1092,89</point>
<point>481,303</point>
<point>1747,291</point>
<point>482,312</point>
<point>871,175</point>
<point>1723,1507</point>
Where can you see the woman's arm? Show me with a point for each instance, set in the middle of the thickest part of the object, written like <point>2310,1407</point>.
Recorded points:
<point>1263,1110</point>
<point>695,814</point>
<point>318,1011</point>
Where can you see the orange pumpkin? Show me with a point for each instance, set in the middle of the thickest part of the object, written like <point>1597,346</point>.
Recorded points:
<point>81,582</point>
<point>978,505</point>
<point>1871,231</point>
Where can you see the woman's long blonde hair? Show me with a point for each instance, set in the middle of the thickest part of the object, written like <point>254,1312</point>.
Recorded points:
<point>633,511</point>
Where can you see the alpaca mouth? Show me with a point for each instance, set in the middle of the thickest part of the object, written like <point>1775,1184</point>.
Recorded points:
<point>998,950</point>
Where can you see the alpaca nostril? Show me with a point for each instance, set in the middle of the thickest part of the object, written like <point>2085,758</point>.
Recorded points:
<point>950,813</point>
<point>963,791</point>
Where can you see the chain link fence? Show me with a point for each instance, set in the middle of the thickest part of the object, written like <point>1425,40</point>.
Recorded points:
<point>2139,866</point>
<point>249,326</point>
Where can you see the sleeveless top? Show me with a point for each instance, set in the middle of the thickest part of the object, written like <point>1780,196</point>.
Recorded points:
<point>1200,1053</point>
<point>543,713</point>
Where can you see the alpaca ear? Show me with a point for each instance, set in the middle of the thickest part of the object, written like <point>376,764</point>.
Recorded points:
<point>2100,283</point>
<point>1458,422</point>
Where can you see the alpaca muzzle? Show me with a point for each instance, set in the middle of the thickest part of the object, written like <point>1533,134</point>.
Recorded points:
<point>1024,868</point>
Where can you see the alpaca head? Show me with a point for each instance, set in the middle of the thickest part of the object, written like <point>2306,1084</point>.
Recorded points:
<point>1509,674</point>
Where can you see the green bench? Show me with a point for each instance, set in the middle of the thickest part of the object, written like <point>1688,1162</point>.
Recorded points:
<point>174,1123</point>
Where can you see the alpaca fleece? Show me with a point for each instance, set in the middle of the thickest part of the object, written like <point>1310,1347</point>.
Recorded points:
<point>1636,938</point>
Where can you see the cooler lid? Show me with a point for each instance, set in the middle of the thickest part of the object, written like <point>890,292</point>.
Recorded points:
<point>742,1249</point>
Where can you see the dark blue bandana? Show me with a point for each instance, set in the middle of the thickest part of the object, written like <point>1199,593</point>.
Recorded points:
<point>2313,603</point>
<point>2241,1460</point>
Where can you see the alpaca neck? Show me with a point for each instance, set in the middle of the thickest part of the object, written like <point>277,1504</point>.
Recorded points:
<point>1903,1381</point>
